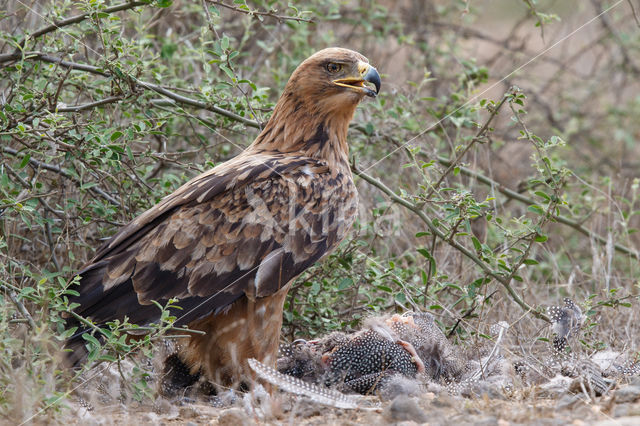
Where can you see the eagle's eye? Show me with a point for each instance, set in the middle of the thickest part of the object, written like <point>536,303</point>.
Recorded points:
<point>333,68</point>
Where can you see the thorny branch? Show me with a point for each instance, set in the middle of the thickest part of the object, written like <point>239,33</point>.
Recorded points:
<point>528,201</point>
<point>417,210</point>
<point>66,22</point>
<point>139,83</point>
<point>39,164</point>
<point>481,134</point>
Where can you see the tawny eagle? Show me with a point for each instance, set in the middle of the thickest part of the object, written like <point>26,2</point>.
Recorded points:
<point>228,242</point>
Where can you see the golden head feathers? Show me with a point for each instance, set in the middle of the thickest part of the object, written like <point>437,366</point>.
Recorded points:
<point>317,105</point>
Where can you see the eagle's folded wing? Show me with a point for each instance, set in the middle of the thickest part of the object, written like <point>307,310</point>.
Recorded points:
<point>246,228</point>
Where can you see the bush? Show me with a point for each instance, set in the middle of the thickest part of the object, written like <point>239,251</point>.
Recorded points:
<point>486,192</point>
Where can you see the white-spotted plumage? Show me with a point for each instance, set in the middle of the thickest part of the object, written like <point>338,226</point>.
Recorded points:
<point>566,322</point>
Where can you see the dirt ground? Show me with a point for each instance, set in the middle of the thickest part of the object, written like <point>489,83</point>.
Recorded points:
<point>494,386</point>
<point>620,407</point>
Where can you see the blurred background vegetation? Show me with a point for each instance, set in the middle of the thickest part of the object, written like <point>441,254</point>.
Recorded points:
<point>498,170</point>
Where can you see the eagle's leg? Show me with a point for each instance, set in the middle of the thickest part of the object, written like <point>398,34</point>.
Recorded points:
<point>249,329</point>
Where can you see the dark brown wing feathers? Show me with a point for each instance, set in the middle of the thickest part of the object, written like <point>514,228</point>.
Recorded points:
<point>246,230</point>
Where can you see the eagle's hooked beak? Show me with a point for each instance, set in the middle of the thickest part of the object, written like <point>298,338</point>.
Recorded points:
<point>366,73</point>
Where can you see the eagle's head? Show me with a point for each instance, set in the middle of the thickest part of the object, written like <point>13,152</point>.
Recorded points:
<point>334,77</point>
<point>318,103</point>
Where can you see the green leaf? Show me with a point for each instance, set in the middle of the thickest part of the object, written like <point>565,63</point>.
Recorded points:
<point>27,291</point>
<point>88,185</point>
<point>116,148</point>
<point>25,161</point>
<point>116,135</point>
<point>92,340</point>
<point>107,358</point>
<point>424,252</point>
<point>345,283</point>
<point>369,129</point>
<point>67,333</point>
<point>227,71</point>
<point>476,244</point>
<point>536,209</point>
<point>543,195</point>
<point>455,286</point>
<point>541,238</point>
<point>129,153</point>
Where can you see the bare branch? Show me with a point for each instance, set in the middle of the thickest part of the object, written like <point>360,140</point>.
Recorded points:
<point>609,27</point>
<point>23,311</point>
<point>58,170</point>
<point>76,108</point>
<point>78,18</point>
<point>633,11</point>
<point>198,104</point>
<point>270,14</point>
<point>53,60</point>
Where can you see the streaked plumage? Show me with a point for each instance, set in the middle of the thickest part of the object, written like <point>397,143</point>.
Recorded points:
<point>228,242</point>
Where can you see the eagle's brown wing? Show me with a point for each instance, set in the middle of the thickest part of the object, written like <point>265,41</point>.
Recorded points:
<point>247,227</point>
